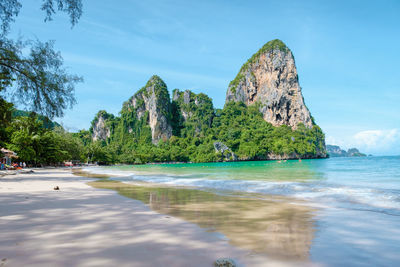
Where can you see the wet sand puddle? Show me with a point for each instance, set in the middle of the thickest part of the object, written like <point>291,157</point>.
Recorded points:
<point>274,227</point>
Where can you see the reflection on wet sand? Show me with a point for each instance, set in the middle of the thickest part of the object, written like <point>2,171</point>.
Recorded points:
<point>274,227</point>
<point>80,172</point>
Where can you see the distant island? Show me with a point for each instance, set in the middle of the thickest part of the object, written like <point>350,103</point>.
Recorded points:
<point>336,151</point>
<point>264,117</point>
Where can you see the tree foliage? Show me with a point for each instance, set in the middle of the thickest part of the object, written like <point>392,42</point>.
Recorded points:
<point>9,9</point>
<point>38,145</point>
<point>5,120</point>
<point>242,128</point>
<point>196,127</point>
<point>32,74</point>
<point>38,79</point>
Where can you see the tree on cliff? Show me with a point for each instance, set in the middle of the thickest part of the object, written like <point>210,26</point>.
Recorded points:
<point>38,78</point>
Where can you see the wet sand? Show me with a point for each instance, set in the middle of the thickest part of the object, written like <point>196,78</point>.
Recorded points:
<point>274,227</point>
<point>80,225</point>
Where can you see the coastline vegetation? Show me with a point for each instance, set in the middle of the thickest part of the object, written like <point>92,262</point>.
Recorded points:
<point>32,73</point>
<point>238,126</point>
<point>37,144</point>
<point>242,128</point>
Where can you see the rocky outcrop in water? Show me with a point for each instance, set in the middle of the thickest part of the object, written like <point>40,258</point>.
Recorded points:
<point>153,101</point>
<point>225,262</point>
<point>224,152</point>
<point>269,78</point>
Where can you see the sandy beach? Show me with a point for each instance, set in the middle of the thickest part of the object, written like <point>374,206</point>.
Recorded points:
<point>79,225</point>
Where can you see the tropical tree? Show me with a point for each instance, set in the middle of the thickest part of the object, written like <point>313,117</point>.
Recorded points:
<point>37,79</point>
<point>39,145</point>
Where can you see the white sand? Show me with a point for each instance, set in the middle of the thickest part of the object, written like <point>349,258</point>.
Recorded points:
<point>83,226</point>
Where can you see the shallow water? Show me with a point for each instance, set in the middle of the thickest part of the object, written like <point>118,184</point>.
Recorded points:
<point>273,227</point>
<point>357,199</point>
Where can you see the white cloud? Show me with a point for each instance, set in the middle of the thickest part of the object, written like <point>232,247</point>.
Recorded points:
<point>378,141</point>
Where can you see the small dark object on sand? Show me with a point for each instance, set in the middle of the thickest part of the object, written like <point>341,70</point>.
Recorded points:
<point>56,188</point>
<point>225,262</point>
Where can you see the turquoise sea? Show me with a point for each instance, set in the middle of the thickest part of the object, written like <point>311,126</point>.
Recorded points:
<point>356,200</point>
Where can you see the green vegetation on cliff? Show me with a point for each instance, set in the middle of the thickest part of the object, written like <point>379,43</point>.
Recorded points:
<point>192,113</point>
<point>270,46</point>
<point>243,129</point>
<point>336,151</point>
<point>196,126</point>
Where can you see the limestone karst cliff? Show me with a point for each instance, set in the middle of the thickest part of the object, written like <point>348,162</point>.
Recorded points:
<point>264,118</point>
<point>194,112</point>
<point>270,79</point>
<point>153,101</point>
<point>100,129</point>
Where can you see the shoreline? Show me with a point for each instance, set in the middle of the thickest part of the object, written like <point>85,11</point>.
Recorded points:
<point>86,226</point>
<point>230,161</point>
<point>272,226</point>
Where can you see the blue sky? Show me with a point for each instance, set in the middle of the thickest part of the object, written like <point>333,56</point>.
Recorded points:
<point>347,56</point>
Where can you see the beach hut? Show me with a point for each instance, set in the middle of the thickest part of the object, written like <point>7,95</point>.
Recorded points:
<point>7,155</point>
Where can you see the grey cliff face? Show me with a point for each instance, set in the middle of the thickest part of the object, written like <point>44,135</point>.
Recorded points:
<point>270,79</point>
<point>186,98</point>
<point>194,108</point>
<point>154,99</point>
<point>100,130</point>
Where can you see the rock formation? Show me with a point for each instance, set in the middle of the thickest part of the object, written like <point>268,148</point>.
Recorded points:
<point>225,262</point>
<point>270,79</point>
<point>336,151</point>
<point>265,89</point>
<point>153,99</point>
<point>196,110</point>
<point>225,152</point>
<point>99,129</point>
<point>183,99</point>
<point>354,152</point>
